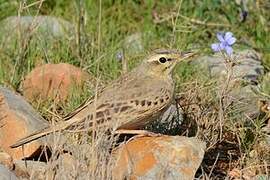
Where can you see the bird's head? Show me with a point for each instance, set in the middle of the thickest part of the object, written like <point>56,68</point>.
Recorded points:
<point>162,62</point>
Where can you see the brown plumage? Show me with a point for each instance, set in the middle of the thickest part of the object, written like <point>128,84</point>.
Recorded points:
<point>130,102</point>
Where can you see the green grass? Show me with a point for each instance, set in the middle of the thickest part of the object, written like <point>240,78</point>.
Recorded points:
<point>185,25</point>
<point>120,18</point>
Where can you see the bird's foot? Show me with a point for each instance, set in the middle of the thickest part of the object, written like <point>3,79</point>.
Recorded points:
<point>139,133</point>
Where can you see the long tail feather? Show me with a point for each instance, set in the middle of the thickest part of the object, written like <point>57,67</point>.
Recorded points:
<point>34,136</point>
<point>44,132</point>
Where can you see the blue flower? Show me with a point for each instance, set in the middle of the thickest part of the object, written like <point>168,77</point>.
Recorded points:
<point>225,43</point>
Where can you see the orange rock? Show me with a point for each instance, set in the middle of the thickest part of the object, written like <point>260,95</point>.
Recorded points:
<point>52,81</point>
<point>18,119</point>
<point>163,157</point>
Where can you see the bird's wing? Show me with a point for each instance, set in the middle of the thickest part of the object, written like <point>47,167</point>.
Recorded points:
<point>116,83</point>
<point>150,106</point>
<point>86,103</point>
<point>78,109</point>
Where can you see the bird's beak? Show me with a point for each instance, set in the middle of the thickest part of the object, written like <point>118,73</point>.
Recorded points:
<point>187,55</point>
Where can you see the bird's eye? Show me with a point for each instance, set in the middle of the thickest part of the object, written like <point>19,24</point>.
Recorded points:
<point>162,60</point>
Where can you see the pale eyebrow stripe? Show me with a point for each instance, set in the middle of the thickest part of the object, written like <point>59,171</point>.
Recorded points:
<point>160,51</point>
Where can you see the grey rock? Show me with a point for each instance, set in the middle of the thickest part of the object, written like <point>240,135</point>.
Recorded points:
<point>18,104</point>
<point>245,78</point>
<point>249,65</point>
<point>45,25</point>
<point>133,44</point>
<point>6,174</point>
<point>245,101</point>
<point>41,30</point>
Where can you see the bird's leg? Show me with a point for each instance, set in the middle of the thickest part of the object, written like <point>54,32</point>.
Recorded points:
<point>138,132</point>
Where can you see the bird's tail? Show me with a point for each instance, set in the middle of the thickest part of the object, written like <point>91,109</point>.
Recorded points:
<point>34,136</point>
<point>43,132</point>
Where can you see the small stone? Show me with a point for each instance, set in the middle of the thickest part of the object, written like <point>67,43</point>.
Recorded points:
<point>6,174</point>
<point>161,157</point>
<point>54,81</point>
<point>30,169</point>
<point>245,100</point>
<point>18,119</point>
<point>133,44</point>
<point>6,160</point>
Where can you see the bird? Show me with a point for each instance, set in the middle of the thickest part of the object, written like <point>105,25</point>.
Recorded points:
<point>127,103</point>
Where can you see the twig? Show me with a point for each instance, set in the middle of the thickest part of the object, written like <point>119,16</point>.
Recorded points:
<point>176,19</point>
<point>25,41</point>
<point>80,25</point>
<point>211,171</point>
<point>124,62</point>
<point>158,20</point>
<point>199,22</point>
<point>33,4</point>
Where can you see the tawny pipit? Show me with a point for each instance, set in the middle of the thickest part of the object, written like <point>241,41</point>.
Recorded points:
<point>128,103</point>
